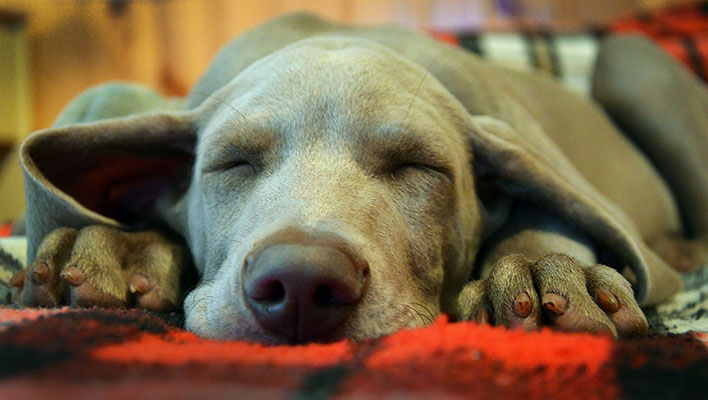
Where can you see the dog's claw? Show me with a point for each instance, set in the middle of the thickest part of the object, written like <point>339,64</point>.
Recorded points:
<point>607,301</point>
<point>138,284</point>
<point>554,303</point>
<point>73,275</point>
<point>148,297</point>
<point>39,273</point>
<point>522,305</point>
<point>482,317</point>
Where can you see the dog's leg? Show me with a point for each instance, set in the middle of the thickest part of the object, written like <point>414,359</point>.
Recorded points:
<point>664,110</point>
<point>539,271</point>
<point>101,266</point>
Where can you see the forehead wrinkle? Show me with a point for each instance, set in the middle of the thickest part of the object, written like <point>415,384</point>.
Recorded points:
<point>409,141</point>
<point>247,134</point>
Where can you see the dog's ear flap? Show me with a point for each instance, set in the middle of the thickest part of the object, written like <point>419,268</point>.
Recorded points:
<point>110,172</point>
<point>536,171</point>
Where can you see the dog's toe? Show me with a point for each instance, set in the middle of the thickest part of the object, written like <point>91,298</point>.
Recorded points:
<point>512,295</point>
<point>39,288</point>
<point>41,284</point>
<point>147,295</point>
<point>613,294</point>
<point>472,304</point>
<point>568,306</point>
<point>92,285</point>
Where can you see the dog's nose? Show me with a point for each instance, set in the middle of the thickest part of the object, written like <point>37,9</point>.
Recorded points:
<point>303,292</point>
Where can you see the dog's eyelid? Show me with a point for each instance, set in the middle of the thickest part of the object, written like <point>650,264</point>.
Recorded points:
<point>428,166</point>
<point>230,160</point>
<point>231,155</point>
<point>420,159</point>
<point>228,166</point>
<point>424,167</point>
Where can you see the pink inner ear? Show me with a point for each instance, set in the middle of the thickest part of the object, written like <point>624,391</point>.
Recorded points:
<point>125,187</point>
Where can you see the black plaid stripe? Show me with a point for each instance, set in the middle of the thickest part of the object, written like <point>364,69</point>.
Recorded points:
<point>695,57</point>
<point>568,57</point>
<point>666,368</point>
<point>9,266</point>
<point>26,347</point>
<point>328,381</point>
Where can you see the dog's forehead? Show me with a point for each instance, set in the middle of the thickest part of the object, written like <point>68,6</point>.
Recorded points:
<point>345,66</point>
<point>335,84</point>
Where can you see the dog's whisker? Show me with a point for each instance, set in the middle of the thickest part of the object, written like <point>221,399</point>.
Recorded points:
<point>202,302</point>
<point>429,313</point>
<point>420,85</point>
<point>428,319</point>
<point>408,310</point>
<point>422,317</point>
<point>220,100</point>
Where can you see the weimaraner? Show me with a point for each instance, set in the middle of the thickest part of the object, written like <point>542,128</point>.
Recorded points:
<point>332,182</point>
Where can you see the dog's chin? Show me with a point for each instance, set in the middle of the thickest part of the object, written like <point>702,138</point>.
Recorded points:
<point>223,330</point>
<point>226,331</point>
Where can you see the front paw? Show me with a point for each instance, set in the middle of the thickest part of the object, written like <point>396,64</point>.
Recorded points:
<point>554,291</point>
<point>101,266</point>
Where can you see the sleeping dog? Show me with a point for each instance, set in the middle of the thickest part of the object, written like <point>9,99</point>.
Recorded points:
<point>332,182</point>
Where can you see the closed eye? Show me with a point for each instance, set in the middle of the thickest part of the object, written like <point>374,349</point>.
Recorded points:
<point>408,167</point>
<point>238,166</point>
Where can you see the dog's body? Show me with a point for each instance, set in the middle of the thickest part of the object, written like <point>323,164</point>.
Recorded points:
<point>342,182</point>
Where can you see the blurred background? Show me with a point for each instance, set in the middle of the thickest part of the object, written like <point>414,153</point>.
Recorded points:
<point>51,50</point>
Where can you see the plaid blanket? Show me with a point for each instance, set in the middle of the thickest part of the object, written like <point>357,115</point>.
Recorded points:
<point>130,354</point>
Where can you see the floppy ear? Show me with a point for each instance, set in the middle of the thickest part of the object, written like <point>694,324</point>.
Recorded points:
<point>110,172</point>
<point>550,181</point>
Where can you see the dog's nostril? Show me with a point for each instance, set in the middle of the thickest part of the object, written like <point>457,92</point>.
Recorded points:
<point>324,295</point>
<point>269,291</point>
<point>248,261</point>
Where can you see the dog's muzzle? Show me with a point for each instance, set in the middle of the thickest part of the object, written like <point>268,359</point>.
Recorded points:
<point>302,287</point>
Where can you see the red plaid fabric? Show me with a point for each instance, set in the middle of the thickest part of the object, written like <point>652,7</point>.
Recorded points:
<point>131,354</point>
<point>682,32</point>
<point>5,230</point>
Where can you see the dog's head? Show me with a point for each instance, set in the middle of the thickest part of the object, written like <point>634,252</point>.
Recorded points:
<point>331,196</point>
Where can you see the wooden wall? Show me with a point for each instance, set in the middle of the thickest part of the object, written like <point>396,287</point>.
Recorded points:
<point>168,44</point>
<point>74,44</point>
